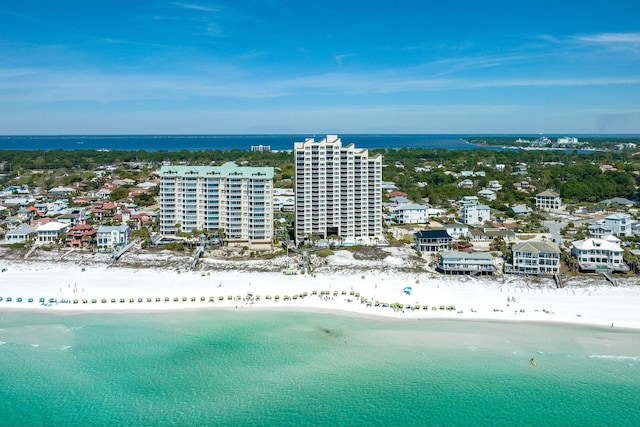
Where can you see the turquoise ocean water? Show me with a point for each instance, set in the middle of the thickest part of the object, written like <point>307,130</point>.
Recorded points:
<point>265,368</point>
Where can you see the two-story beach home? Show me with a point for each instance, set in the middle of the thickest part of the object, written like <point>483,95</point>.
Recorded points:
<point>51,232</point>
<point>599,255</point>
<point>110,237</point>
<point>538,258</point>
<point>460,262</point>
<point>432,240</point>
<point>487,194</point>
<point>21,234</point>
<point>411,213</point>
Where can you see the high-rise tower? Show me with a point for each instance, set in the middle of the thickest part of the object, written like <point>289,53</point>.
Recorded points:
<point>338,191</point>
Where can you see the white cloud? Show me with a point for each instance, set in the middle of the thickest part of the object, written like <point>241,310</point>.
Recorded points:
<point>340,58</point>
<point>632,38</point>
<point>193,6</point>
<point>23,85</point>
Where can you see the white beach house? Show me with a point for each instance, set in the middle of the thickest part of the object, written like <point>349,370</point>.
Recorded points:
<point>598,255</point>
<point>474,214</point>
<point>411,213</point>
<point>51,232</point>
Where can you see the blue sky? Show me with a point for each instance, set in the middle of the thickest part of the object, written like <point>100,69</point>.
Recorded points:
<point>314,67</point>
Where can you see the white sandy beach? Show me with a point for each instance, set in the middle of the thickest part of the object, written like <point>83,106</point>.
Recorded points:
<point>591,301</point>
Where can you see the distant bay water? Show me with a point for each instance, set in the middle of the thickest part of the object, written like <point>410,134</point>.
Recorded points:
<point>273,368</point>
<point>222,142</point>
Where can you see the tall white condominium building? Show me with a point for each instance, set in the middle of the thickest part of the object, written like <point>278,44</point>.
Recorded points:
<point>338,191</point>
<point>238,200</point>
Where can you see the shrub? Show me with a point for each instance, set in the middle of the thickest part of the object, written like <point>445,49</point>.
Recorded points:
<point>323,253</point>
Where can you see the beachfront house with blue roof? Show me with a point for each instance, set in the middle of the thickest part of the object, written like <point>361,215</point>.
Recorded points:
<point>431,241</point>
<point>113,236</point>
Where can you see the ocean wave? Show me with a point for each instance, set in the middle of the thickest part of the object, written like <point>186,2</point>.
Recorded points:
<point>614,357</point>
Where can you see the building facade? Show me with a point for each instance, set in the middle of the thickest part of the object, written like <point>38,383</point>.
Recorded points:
<point>51,232</point>
<point>619,223</point>
<point>538,258</point>
<point>236,200</point>
<point>113,236</point>
<point>471,263</point>
<point>548,200</point>
<point>411,213</point>
<point>338,191</point>
<point>598,255</point>
<point>474,214</point>
<point>430,241</point>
